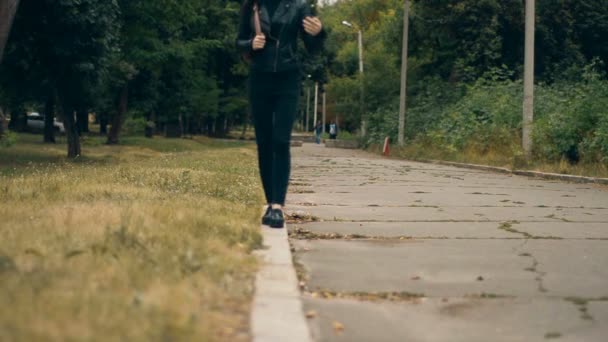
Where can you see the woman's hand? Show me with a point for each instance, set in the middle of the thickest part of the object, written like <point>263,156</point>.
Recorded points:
<point>259,42</point>
<point>312,25</point>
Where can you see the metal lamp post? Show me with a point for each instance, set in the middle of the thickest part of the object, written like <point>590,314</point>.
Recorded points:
<point>360,43</point>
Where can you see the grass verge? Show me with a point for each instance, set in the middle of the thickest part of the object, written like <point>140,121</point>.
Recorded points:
<point>145,241</point>
<point>507,158</point>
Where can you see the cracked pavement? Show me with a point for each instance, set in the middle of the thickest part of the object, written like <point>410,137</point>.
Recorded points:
<point>406,251</point>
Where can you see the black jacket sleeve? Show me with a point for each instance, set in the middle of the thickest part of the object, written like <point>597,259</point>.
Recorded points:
<point>244,39</point>
<point>314,44</point>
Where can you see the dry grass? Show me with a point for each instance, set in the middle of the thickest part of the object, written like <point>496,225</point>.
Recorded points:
<point>131,243</point>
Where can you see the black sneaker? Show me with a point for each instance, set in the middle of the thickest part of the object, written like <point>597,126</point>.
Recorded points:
<point>277,220</point>
<point>267,218</point>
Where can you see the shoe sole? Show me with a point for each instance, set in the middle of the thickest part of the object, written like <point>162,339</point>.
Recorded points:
<point>277,226</point>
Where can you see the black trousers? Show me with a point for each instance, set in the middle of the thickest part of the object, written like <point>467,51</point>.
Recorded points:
<point>274,103</point>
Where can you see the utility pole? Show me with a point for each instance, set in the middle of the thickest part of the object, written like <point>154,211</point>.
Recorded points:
<point>361,73</point>
<point>8,8</point>
<point>324,109</point>
<point>316,104</point>
<point>307,106</point>
<point>360,43</point>
<point>528,112</point>
<point>362,100</point>
<point>403,97</point>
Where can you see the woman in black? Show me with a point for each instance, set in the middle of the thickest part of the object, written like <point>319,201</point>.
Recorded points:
<point>274,87</point>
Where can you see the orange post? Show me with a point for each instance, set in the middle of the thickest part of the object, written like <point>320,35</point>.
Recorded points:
<point>386,149</point>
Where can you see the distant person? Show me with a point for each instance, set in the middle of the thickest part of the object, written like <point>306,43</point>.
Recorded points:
<point>274,85</point>
<point>318,131</point>
<point>333,131</point>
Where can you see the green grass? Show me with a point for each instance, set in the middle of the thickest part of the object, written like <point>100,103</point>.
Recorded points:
<point>146,241</point>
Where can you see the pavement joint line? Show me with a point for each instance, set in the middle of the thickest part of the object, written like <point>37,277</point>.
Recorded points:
<point>447,221</point>
<point>303,205</point>
<point>277,313</point>
<point>302,234</point>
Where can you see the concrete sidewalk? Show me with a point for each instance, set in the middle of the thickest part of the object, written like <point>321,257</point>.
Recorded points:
<point>406,251</point>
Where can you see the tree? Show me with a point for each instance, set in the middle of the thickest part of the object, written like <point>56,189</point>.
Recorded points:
<point>7,13</point>
<point>60,50</point>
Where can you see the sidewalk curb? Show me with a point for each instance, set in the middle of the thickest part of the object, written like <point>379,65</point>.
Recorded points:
<point>534,174</point>
<point>277,313</point>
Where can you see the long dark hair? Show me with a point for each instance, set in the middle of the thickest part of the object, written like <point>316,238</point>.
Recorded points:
<point>249,4</point>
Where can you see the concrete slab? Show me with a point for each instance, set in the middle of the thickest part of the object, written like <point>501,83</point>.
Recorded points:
<point>429,267</point>
<point>570,267</point>
<point>433,214</point>
<point>454,320</point>
<point>458,253</point>
<point>453,267</point>
<point>403,194</point>
<point>461,230</point>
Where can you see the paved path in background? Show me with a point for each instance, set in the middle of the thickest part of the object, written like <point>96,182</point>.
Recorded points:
<point>452,254</point>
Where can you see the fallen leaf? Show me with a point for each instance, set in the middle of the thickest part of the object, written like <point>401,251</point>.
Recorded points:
<point>311,314</point>
<point>338,327</point>
<point>416,278</point>
<point>480,278</point>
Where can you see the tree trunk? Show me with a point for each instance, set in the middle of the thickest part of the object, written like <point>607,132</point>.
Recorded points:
<point>118,119</point>
<point>220,127</point>
<point>244,131</point>
<point>151,125</point>
<point>49,119</point>
<point>18,119</point>
<point>71,131</point>
<point>103,123</point>
<point>8,8</point>
<point>3,127</point>
<point>82,116</point>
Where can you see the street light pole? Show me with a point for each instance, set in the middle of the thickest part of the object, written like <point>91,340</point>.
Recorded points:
<point>528,107</point>
<point>316,104</point>
<point>324,109</point>
<point>307,107</point>
<point>363,122</point>
<point>360,45</point>
<point>403,96</point>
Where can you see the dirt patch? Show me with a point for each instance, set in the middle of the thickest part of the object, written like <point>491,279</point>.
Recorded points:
<point>300,233</point>
<point>299,217</point>
<point>369,296</point>
<point>458,309</point>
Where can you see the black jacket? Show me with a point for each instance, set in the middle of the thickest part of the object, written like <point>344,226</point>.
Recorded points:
<point>281,31</point>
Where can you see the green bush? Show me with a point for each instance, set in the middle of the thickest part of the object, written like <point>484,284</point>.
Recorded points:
<point>8,139</point>
<point>598,144</point>
<point>571,120</point>
<point>134,126</point>
<point>381,124</point>
<point>487,108</point>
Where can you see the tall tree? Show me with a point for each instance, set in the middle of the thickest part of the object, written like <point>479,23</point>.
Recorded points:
<point>60,49</point>
<point>7,13</point>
